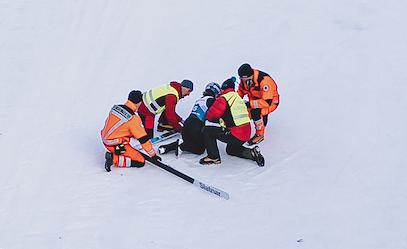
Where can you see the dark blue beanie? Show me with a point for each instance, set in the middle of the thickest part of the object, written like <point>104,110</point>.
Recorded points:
<point>229,83</point>
<point>188,84</point>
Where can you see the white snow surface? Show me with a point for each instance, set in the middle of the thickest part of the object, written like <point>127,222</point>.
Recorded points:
<point>335,174</point>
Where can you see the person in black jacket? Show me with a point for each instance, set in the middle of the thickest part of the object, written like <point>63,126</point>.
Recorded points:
<point>192,138</point>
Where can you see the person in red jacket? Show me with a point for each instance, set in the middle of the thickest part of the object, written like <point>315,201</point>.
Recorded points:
<point>229,109</point>
<point>263,96</point>
<point>163,99</point>
<point>121,125</point>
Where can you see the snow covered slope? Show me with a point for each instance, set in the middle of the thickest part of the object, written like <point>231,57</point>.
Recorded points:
<point>335,168</point>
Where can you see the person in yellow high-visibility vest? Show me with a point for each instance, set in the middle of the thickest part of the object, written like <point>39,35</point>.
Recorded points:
<point>162,100</point>
<point>230,108</point>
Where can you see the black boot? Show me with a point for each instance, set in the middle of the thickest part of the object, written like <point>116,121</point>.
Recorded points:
<point>257,156</point>
<point>164,127</point>
<point>207,160</point>
<point>164,149</point>
<point>178,150</point>
<point>109,161</point>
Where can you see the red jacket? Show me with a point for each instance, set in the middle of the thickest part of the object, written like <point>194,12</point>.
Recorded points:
<point>221,109</point>
<point>170,103</point>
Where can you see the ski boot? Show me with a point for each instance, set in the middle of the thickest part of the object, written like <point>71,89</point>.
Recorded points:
<point>206,161</point>
<point>257,156</point>
<point>164,149</point>
<point>164,127</point>
<point>178,150</point>
<point>109,161</point>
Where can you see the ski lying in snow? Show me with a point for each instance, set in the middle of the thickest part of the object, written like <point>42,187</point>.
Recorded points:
<point>164,136</point>
<point>189,179</point>
<point>211,189</point>
<point>160,138</point>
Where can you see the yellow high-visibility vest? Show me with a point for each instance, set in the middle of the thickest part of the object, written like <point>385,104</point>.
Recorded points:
<point>238,108</point>
<point>150,98</point>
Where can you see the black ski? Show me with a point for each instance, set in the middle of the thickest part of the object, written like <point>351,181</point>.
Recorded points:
<point>189,179</point>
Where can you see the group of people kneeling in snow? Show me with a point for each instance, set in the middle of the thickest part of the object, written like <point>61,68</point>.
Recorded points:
<point>220,114</point>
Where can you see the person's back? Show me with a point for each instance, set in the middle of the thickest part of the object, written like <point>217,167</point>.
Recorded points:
<point>121,125</point>
<point>231,109</point>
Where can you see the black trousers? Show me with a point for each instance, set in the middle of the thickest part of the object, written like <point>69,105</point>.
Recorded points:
<point>234,146</point>
<point>256,115</point>
<point>192,136</point>
<point>163,118</point>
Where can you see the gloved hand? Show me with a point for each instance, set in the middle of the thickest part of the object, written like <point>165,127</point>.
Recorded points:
<point>247,104</point>
<point>156,158</point>
<point>119,149</point>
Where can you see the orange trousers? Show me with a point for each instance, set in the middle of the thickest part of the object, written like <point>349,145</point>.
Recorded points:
<point>130,158</point>
<point>260,117</point>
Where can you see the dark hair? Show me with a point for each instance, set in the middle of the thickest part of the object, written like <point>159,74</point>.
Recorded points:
<point>245,70</point>
<point>135,96</point>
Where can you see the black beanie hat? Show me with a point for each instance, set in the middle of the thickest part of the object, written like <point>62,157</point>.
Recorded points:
<point>135,96</point>
<point>245,70</point>
<point>229,83</point>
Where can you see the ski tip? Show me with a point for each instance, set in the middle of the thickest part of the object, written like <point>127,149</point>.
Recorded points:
<point>212,190</point>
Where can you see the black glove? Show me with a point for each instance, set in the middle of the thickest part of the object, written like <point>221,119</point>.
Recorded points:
<point>156,158</point>
<point>247,104</point>
<point>119,149</point>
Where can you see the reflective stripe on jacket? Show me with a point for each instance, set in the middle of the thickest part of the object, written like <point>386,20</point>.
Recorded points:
<point>151,98</point>
<point>263,94</point>
<point>122,124</point>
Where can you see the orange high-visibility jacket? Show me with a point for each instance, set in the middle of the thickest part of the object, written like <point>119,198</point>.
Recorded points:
<point>263,94</point>
<point>122,124</point>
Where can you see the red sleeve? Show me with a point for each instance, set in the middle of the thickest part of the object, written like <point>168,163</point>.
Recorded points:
<point>217,110</point>
<point>241,91</point>
<point>172,116</point>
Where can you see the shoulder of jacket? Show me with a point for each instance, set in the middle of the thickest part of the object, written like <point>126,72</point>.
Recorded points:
<point>171,97</point>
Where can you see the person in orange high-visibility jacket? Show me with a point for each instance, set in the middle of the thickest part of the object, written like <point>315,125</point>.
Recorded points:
<point>263,96</point>
<point>122,124</point>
